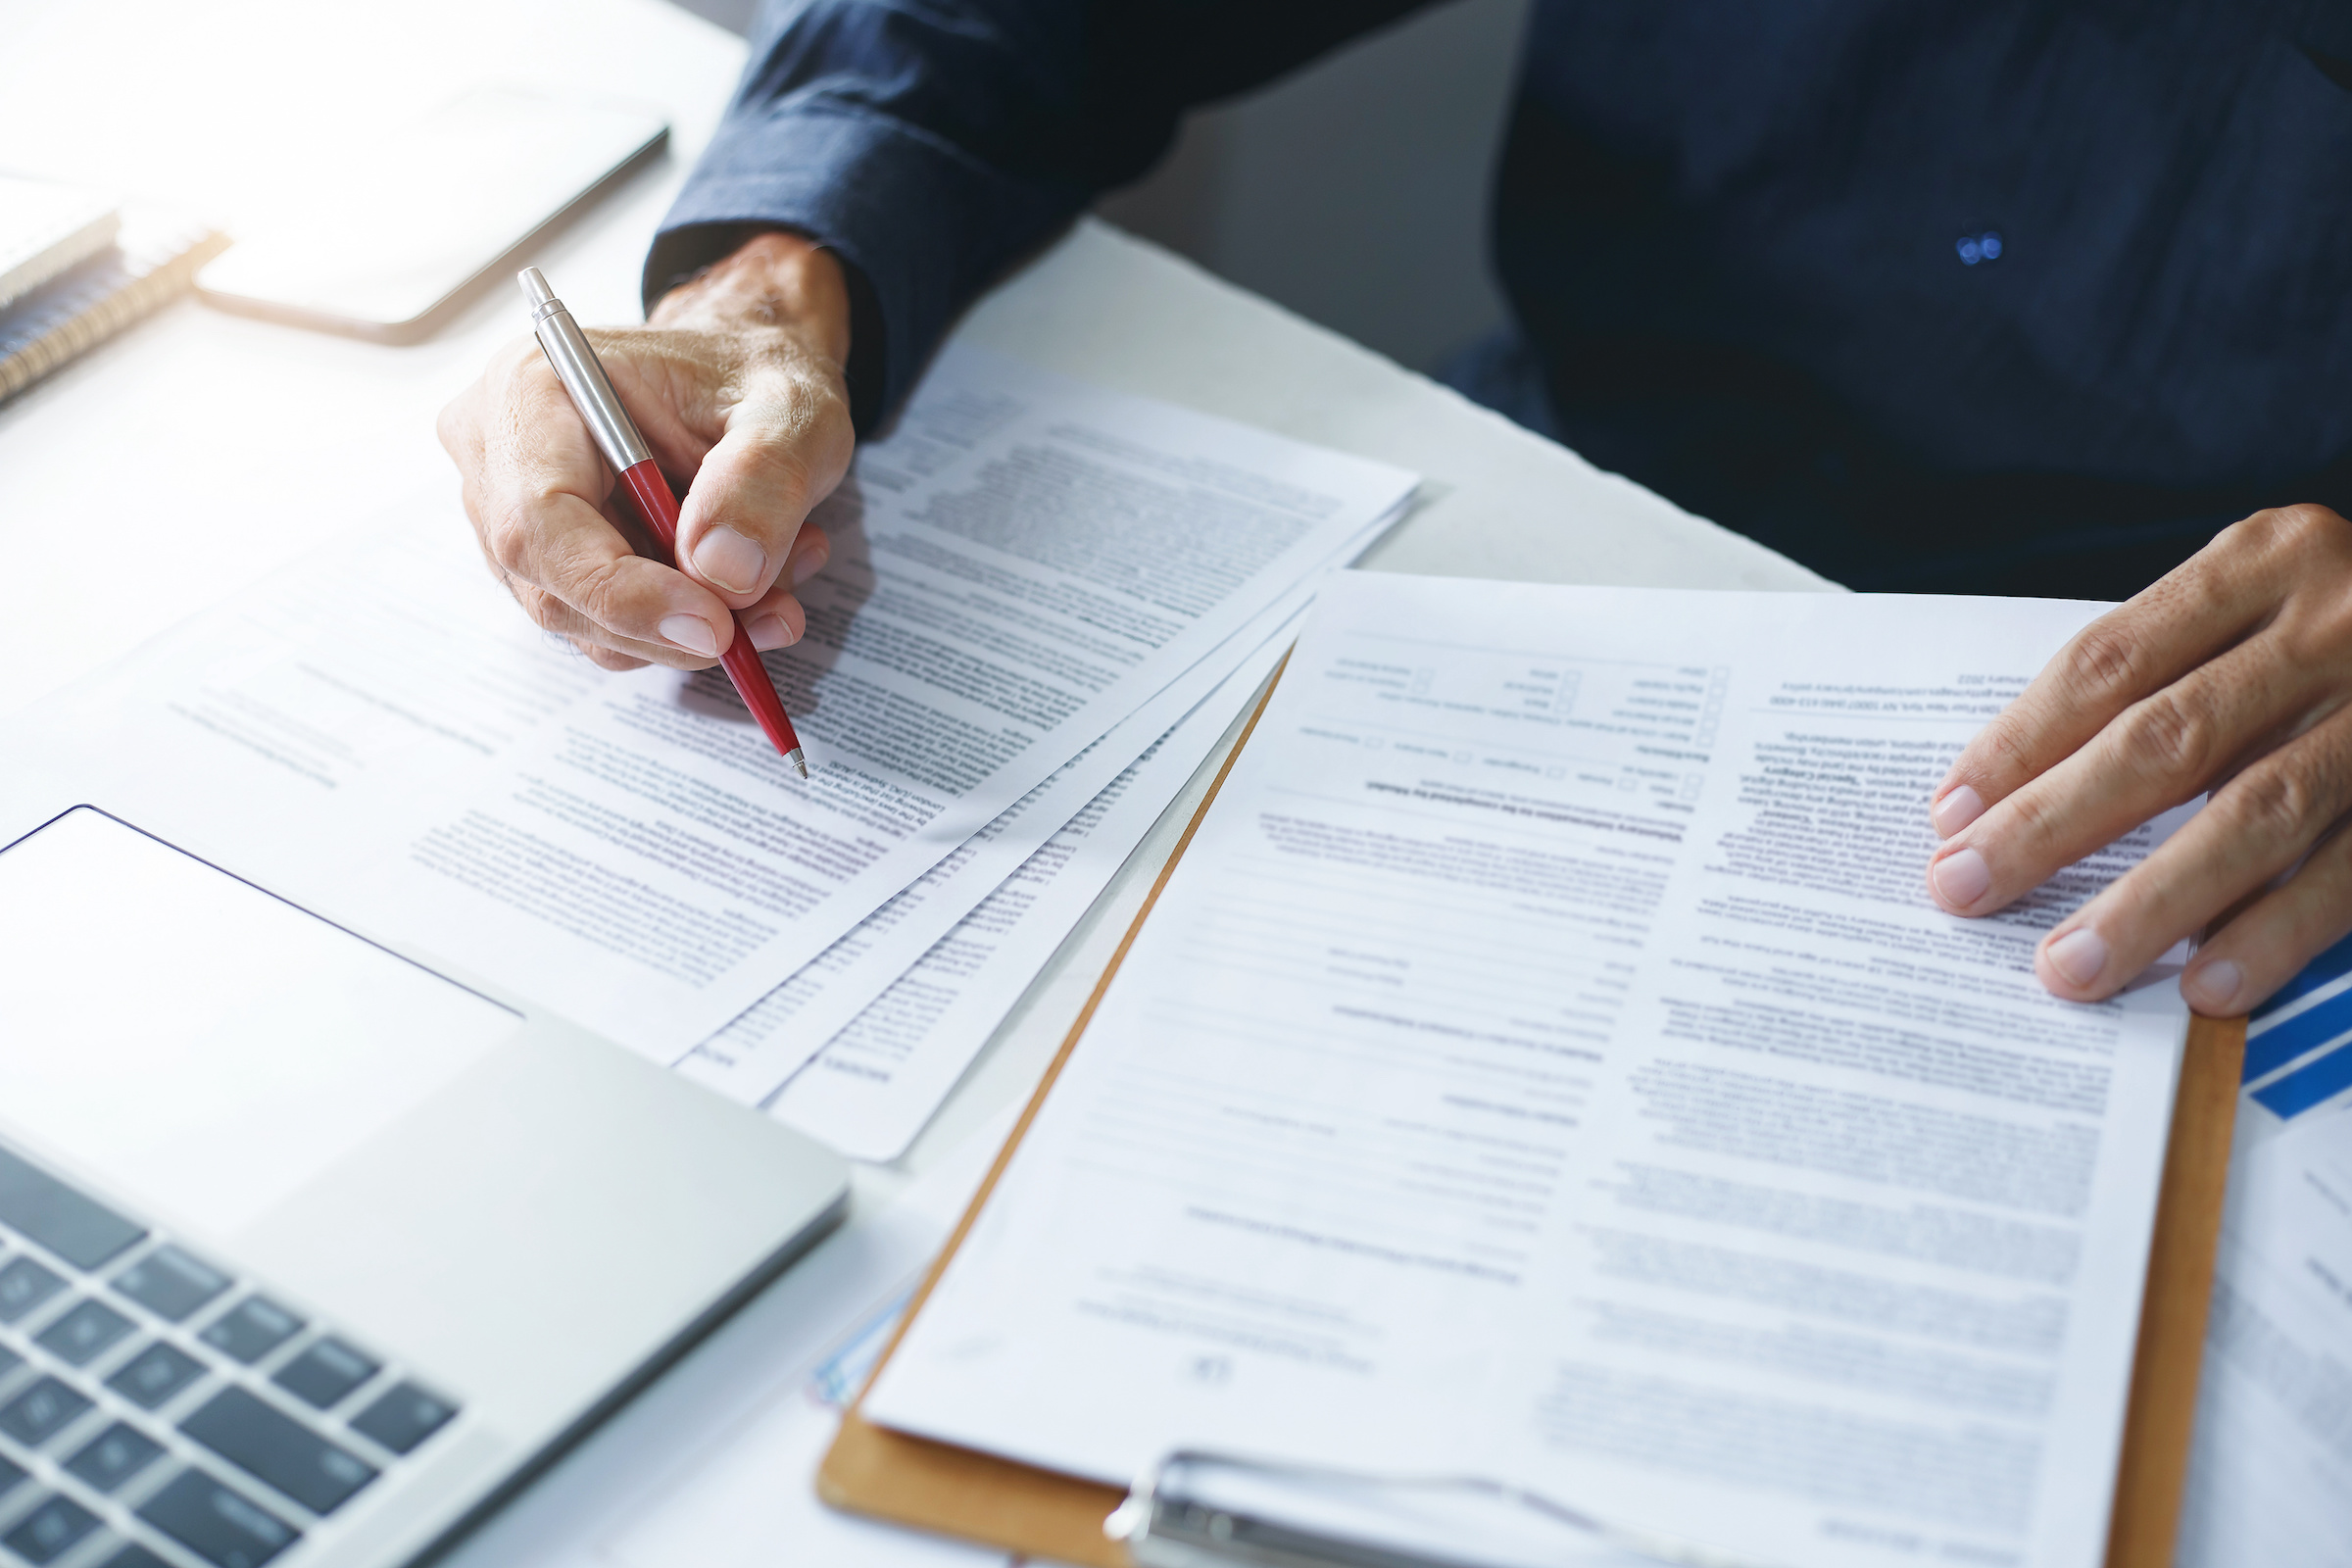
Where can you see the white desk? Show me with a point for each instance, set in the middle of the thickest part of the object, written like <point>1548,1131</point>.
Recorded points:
<point>200,452</point>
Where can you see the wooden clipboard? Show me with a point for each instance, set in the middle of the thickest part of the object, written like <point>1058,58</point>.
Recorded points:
<point>1042,1513</point>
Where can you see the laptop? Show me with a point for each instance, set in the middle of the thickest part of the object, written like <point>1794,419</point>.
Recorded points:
<point>312,1250</point>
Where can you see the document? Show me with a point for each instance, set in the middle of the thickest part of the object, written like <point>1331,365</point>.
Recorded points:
<point>1545,1063</point>
<point>1025,562</point>
<point>757,1051</point>
<point>876,1083</point>
<point>289,733</point>
<point>1022,565</point>
<point>2269,1476</point>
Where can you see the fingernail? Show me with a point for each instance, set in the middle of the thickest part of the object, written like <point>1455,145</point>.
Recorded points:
<point>729,560</point>
<point>809,561</point>
<point>2079,955</point>
<point>690,633</point>
<point>2213,987</point>
<point>1956,810</point>
<point>769,632</point>
<point>1961,877</point>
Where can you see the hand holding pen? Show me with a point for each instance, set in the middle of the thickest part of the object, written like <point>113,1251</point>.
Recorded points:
<point>738,382</point>
<point>577,366</point>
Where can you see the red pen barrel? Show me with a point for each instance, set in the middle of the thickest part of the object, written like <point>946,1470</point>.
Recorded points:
<point>742,664</point>
<point>660,510</point>
<point>655,504</point>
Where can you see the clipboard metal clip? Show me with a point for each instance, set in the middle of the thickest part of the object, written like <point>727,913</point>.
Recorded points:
<point>1198,1508</point>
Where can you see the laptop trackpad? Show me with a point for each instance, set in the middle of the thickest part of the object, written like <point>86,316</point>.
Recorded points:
<point>202,1047</point>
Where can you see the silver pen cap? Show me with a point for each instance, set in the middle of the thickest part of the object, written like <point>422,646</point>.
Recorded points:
<point>583,377</point>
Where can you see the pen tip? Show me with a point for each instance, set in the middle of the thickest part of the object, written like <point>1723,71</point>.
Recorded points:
<point>795,757</point>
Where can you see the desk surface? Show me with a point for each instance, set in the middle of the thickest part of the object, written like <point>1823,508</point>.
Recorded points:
<point>201,452</point>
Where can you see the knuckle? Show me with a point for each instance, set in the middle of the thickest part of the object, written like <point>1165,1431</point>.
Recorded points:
<point>2308,527</point>
<point>2032,821</point>
<point>2329,628</point>
<point>1999,747</point>
<point>2273,806</point>
<point>2168,737</point>
<point>545,609</point>
<point>2289,536</point>
<point>506,536</point>
<point>794,485</point>
<point>599,595</point>
<point>2105,661</point>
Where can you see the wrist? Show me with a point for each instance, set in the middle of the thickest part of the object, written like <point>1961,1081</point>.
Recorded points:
<point>772,280</point>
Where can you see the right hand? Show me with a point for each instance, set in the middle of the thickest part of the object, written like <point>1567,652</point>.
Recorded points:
<point>736,384</point>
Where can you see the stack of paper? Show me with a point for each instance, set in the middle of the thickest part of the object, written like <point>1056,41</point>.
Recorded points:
<point>1545,1064</point>
<point>1046,604</point>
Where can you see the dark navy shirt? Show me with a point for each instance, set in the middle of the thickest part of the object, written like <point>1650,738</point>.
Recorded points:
<point>1979,295</point>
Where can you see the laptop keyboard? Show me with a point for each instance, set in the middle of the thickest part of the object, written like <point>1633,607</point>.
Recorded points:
<point>158,1412</point>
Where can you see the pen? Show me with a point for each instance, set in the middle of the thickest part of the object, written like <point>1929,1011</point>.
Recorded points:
<point>583,377</point>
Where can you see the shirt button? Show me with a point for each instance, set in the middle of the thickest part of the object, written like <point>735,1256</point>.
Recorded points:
<point>1974,248</point>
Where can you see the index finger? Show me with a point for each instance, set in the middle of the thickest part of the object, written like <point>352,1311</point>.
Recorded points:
<point>561,545</point>
<point>2200,609</point>
<point>532,480</point>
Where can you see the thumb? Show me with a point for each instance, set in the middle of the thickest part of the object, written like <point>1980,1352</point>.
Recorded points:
<point>755,489</point>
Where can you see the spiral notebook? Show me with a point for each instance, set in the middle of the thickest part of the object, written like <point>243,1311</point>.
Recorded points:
<point>145,263</point>
<point>46,228</point>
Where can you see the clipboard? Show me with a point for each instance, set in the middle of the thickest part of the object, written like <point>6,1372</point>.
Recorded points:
<point>950,1491</point>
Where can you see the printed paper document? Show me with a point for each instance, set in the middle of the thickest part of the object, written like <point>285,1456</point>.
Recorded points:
<point>1024,563</point>
<point>1545,1063</point>
<point>877,1082</point>
<point>761,1049</point>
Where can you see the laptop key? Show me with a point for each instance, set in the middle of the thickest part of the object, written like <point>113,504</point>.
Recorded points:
<point>404,1418</point>
<point>87,1331</point>
<point>275,1448</point>
<point>170,1284</point>
<point>217,1524</point>
<point>10,1360</point>
<point>152,1377</point>
<point>252,1328</point>
<point>54,1528</point>
<point>321,1376</point>
<point>83,1232</point>
<point>23,1285</point>
<point>134,1555</point>
<point>41,1411</point>
<point>114,1457</point>
<point>11,1476</point>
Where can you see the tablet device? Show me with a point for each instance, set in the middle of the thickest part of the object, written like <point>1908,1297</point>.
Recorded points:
<point>434,209</point>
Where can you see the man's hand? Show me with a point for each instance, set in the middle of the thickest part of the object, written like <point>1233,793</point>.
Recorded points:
<point>2232,674</point>
<point>736,382</point>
